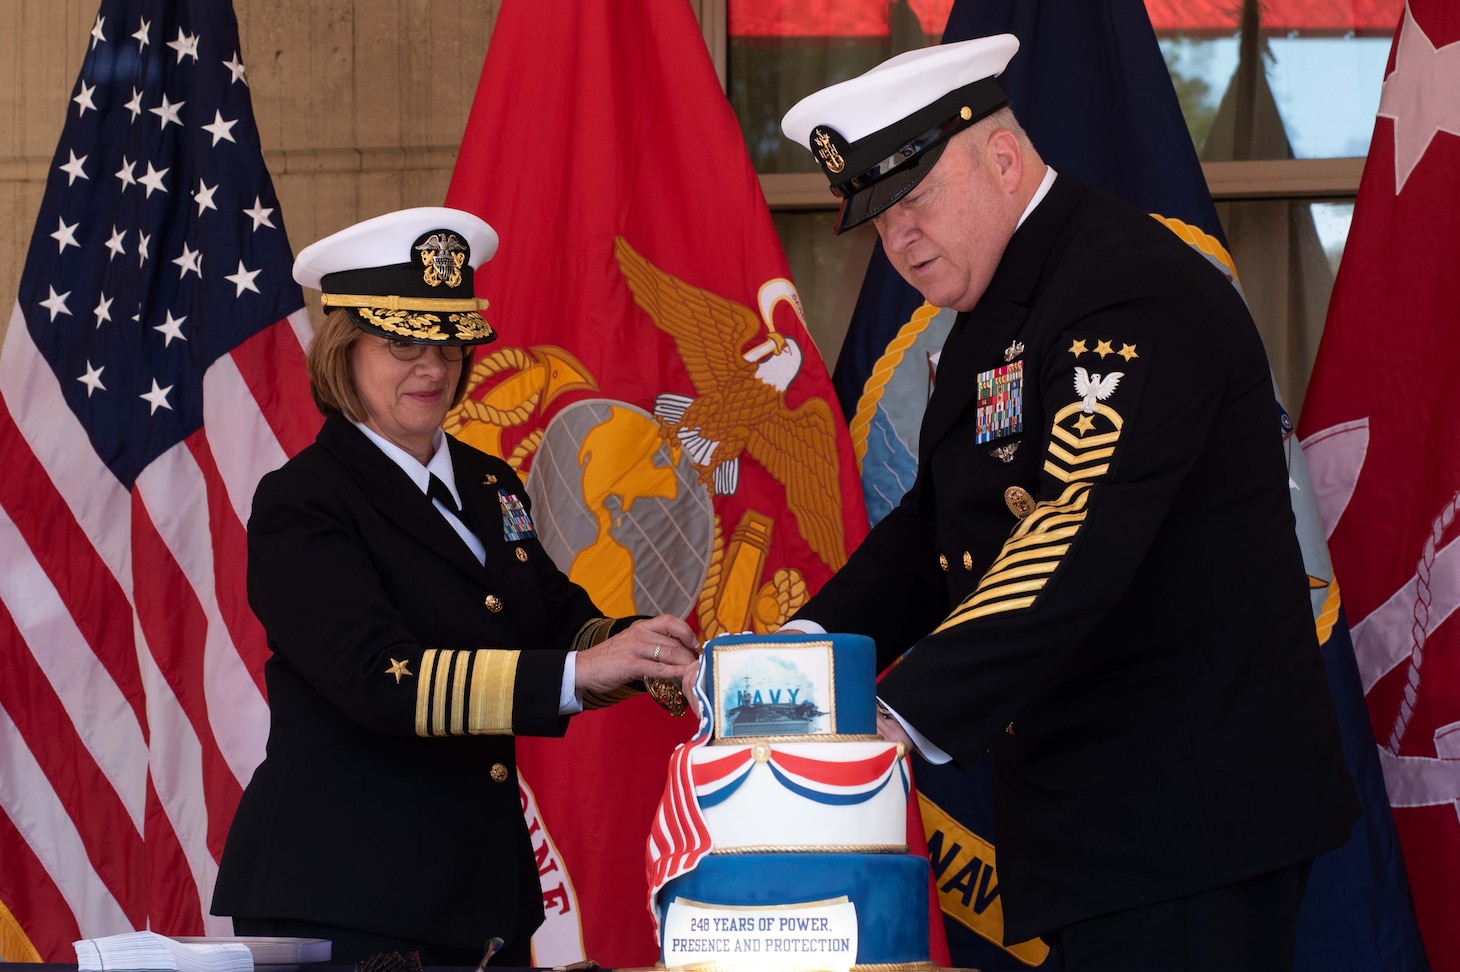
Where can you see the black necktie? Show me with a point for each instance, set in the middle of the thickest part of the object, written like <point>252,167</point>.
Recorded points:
<point>437,491</point>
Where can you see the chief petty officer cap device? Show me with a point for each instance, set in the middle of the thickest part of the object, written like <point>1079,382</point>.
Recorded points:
<point>406,275</point>
<point>878,134</point>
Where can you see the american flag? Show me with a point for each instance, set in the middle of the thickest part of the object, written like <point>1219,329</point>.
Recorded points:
<point>152,371</point>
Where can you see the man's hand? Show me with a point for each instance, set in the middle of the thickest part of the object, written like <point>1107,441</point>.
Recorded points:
<point>891,730</point>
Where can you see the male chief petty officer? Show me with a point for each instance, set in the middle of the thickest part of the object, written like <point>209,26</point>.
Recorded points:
<point>1095,575</point>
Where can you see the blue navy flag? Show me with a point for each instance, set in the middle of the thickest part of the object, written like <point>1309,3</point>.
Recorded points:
<point>1091,87</point>
<point>152,371</point>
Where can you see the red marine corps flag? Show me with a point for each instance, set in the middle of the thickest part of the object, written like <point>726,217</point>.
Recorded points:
<point>655,383</point>
<point>1380,429</point>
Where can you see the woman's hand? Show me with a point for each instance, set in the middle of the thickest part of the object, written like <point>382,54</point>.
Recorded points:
<point>662,647</point>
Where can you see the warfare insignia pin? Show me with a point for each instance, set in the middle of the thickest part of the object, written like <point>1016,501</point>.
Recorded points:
<point>490,480</point>
<point>1005,452</point>
<point>1013,351</point>
<point>442,256</point>
<point>516,523</point>
<point>1000,402</point>
<point>1019,502</point>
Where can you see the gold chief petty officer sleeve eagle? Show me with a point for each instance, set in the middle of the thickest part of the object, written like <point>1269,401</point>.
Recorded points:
<point>1097,580</point>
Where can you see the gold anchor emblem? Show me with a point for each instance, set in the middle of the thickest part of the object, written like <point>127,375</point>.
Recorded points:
<point>827,151</point>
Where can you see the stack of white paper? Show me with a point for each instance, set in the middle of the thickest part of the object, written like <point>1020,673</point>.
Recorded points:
<point>148,950</point>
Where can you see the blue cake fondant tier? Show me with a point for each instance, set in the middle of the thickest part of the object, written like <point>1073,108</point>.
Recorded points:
<point>890,892</point>
<point>783,697</point>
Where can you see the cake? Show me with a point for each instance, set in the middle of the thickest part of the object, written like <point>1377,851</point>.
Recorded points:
<point>781,841</point>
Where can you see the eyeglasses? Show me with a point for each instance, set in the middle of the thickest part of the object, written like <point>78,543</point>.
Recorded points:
<point>410,350</point>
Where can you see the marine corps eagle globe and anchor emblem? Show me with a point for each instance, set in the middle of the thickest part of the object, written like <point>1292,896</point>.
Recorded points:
<point>623,498</point>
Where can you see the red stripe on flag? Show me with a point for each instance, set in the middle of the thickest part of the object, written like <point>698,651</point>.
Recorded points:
<point>175,627</point>
<point>272,365</point>
<point>33,898</point>
<point>230,565</point>
<point>112,843</point>
<point>857,773</point>
<point>176,906</point>
<point>92,596</point>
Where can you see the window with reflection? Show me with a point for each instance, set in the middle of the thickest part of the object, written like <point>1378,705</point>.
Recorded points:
<point>1259,81</point>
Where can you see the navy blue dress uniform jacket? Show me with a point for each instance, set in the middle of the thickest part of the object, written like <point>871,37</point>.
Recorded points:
<point>1133,643</point>
<point>388,799</point>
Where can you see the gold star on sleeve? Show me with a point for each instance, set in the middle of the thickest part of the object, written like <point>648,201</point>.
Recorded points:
<point>1103,348</point>
<point>399,668</point>
<point>1084,424</point>
<point>1078,348</point>
<point>1128,351</point>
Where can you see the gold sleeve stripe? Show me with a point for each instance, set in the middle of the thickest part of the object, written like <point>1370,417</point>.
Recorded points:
<point>1011,601</point>
<point>1057,519</point>
<point>1073,498</point>
<point>1039,519</point>
<point>1089,441</point>
<point>1092,473</point>
<point>423,693</point>
<point>438,692</point>
<point>1040,538</point>
<point>961,617</point>
<point>1037,569</point>
<point>465,692</point>
<point>1084,456</point>
<point>1017,556</point>
<point>986,594</point>
<point>494,676</point>
<point>458,695</point>
<point>594,632</point>
<point>601,700</point>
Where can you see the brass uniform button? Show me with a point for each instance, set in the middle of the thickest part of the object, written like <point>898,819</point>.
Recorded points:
<point>493,603</point>
<point>942,561</point>
<point>967,560</point>
<point>1019,502</point>
<point>522,555</point>
<point>499,773</point>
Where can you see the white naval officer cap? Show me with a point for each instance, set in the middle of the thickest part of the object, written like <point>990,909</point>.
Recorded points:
<point>877,135</point>
<point>406,275</point>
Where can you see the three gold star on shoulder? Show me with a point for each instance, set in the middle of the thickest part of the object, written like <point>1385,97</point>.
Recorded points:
<point>1103,348</point>
<point>399,668</point>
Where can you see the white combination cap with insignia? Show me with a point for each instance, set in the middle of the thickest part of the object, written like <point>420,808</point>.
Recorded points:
<point>406,275</point>
<point>876,135</point>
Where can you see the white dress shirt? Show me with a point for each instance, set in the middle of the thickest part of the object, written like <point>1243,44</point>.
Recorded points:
<point>440,466</point>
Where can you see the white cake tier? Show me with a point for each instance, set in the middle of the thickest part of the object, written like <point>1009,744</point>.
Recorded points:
<point>809,797</point>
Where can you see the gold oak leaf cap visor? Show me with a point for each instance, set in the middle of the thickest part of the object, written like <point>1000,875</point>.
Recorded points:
<point>407,275</point>
<point>877,135</point>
